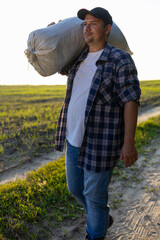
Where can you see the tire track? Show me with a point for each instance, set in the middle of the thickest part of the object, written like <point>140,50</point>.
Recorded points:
<point>138,218</point>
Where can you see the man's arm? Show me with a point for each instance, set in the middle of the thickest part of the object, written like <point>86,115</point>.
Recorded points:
<point>128,151</point>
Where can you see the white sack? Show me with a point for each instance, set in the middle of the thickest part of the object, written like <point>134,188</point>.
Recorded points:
<point>52,48</point>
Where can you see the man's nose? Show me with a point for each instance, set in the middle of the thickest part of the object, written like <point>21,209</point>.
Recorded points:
<point>87,27</point>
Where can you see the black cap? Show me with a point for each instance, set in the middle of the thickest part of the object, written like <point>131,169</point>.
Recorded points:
<point>97,12</point>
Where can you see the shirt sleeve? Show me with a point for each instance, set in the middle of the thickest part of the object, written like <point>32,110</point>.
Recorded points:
<point>127,84</point>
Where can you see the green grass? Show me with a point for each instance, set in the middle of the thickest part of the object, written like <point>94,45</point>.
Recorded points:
<point>28,118</point>
<point>150,93</point>
<point>42,197</point>
<point>146,131</point>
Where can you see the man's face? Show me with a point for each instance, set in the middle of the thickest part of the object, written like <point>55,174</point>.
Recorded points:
<point>94,30</point>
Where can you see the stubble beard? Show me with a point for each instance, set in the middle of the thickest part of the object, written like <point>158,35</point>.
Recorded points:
<point>88,39</point>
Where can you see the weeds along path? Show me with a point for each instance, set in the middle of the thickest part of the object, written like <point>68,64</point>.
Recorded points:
<point>19,171</point>
<point>134,199</point>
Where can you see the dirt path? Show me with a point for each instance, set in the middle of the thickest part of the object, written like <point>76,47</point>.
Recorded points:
<point>21,170</point>
<point>138,217</point>
<point>148,113</point>
<point>136,194</point>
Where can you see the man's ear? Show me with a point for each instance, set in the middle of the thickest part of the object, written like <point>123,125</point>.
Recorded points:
<point>108,29</point>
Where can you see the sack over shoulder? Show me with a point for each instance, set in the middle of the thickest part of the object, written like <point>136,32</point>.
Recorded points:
<point>52,48</point>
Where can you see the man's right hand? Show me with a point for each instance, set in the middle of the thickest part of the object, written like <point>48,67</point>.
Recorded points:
<point>52,23</point>
<point>65,71</point>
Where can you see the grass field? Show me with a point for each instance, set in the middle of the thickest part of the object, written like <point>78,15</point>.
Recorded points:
<point>28,118</point>
<point>31,208</point>
<point>150,93</point>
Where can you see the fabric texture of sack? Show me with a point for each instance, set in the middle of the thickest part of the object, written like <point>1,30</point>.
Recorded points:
<point>54,47</point>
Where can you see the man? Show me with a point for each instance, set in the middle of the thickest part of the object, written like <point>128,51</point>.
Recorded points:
<point>98,119</point>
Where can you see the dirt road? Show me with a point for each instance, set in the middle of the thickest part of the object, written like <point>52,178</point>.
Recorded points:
<point>134,201</point>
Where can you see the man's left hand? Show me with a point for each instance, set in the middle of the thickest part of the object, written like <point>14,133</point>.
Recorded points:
<point>129,154</point>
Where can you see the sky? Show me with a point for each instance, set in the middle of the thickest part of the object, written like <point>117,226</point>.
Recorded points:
<point>138,20</point>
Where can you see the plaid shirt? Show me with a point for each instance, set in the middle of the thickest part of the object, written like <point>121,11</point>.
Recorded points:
<point>115,83</point>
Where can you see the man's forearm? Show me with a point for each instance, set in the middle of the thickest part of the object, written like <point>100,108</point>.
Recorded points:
<point>130,120</point>
<point>128,151</point>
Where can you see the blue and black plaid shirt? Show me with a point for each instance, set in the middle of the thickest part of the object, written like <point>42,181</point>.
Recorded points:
<point>115,83</point>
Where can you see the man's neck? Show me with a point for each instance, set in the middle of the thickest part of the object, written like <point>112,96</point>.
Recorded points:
<point>96,48</point>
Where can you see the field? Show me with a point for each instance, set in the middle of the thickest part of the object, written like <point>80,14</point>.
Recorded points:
<point>150,93</point>
<point>32,208</point>
<point>28,118</point>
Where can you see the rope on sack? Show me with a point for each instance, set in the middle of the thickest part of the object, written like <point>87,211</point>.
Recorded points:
<point>30,54</point>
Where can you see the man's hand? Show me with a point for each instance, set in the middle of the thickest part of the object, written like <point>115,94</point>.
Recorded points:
<point>129,154</point>
<point>51,24</point>
<point>64,71</point>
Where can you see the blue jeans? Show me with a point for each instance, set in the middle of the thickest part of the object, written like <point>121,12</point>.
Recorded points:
<point>91,190</point>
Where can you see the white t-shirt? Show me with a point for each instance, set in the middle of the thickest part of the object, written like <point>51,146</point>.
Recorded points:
<point>79,96</point>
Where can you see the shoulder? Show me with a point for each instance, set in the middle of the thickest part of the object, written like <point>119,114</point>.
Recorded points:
<point>120,57</point>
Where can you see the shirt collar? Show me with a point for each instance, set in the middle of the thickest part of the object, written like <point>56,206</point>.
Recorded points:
<point>103,56</point>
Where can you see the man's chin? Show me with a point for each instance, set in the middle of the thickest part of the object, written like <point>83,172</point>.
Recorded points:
<point>88,40</point>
